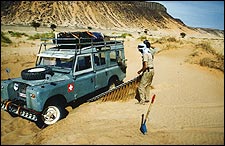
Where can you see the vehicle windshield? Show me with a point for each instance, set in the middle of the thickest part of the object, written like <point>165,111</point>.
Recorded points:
<point>59,62</point>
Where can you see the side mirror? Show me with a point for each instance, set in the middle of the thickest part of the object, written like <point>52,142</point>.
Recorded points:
<point>8,71</point>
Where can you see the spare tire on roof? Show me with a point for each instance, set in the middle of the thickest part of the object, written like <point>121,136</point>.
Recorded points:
<point>36,73</point>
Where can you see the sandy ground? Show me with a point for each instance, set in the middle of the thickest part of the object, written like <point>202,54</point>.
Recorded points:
<point>188,108</point>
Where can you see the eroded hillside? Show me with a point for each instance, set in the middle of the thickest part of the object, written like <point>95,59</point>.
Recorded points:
<point>133,15</point>
<point>100,14</point>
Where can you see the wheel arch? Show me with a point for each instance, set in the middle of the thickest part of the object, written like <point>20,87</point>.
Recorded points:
<point>56,99</point>
<point>57,105</point>
<point>113,78</point>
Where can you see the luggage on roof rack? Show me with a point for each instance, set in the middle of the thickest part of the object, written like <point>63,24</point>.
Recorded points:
<point>78,37</point>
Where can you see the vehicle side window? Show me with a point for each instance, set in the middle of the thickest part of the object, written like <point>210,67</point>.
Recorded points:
<point>96,59</point>
<point>120,55</point>
<point>99,58</point>
<point>102,58</point>
<point>83,62</point>
<point>113,57</point>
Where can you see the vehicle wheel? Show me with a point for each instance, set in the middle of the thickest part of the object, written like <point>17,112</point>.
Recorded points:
<point>112,85</point>
<point>52,114</point>
<point>36,73</point>
<point>113,82</point>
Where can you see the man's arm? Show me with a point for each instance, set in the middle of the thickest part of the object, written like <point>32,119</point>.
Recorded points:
<point>144,67</point>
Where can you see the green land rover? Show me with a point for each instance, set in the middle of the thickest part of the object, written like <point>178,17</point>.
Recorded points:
<point>68,67</point>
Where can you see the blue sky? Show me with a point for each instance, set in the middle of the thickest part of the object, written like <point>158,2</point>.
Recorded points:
<point>205,14</point>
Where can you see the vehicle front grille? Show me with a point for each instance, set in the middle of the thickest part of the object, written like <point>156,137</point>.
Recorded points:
<point>20,89</point>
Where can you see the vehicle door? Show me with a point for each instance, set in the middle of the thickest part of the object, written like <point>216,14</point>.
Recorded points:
<point>101,76</point>
<point>84,75</point>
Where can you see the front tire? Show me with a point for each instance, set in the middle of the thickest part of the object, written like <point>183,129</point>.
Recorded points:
<point>52,113</point>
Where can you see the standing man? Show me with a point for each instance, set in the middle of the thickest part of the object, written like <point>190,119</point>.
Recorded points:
<point>150,47</point>
<point>147,70</point>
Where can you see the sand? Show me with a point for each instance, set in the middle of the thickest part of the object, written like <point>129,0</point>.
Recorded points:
<point>188,108</point>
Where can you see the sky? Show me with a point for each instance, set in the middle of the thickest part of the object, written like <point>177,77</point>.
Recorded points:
<point>205,14</point>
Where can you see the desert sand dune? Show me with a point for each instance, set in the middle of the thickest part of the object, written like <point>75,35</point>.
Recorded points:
<point>188,108</point>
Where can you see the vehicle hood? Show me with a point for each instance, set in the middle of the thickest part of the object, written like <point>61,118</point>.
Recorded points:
<point>55,78</point>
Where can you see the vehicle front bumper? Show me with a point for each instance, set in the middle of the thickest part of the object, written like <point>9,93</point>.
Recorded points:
<point>11,107</point>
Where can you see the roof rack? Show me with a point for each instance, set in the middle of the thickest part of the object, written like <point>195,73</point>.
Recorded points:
<point>79,43</point>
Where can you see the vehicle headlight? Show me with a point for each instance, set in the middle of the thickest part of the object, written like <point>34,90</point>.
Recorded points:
<point>32,95</point>
<point>16,86</point>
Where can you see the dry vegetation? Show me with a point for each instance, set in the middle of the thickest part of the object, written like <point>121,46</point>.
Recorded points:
<point>195,115</point>
<point>205,55</point>
<point>205,52</point>
<point>188,80</point>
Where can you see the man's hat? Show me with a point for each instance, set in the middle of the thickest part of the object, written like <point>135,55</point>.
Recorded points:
<point>147,43</point>
<point>142,48</point>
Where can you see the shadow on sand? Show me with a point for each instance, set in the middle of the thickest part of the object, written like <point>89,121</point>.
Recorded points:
<point>74,104</point>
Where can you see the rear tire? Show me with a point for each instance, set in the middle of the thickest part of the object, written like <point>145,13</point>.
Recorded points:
<point>113,82</point>
<point>111,85</point>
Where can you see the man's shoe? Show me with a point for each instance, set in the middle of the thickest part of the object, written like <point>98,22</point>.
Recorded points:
<point>142,102</point>
<point>147,100</point>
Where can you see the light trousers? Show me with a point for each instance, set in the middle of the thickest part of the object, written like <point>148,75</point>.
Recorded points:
<point>144,85</point>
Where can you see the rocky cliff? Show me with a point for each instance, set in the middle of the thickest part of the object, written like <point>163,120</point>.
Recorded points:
<point>96,14</point>
<point>137,15</point>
